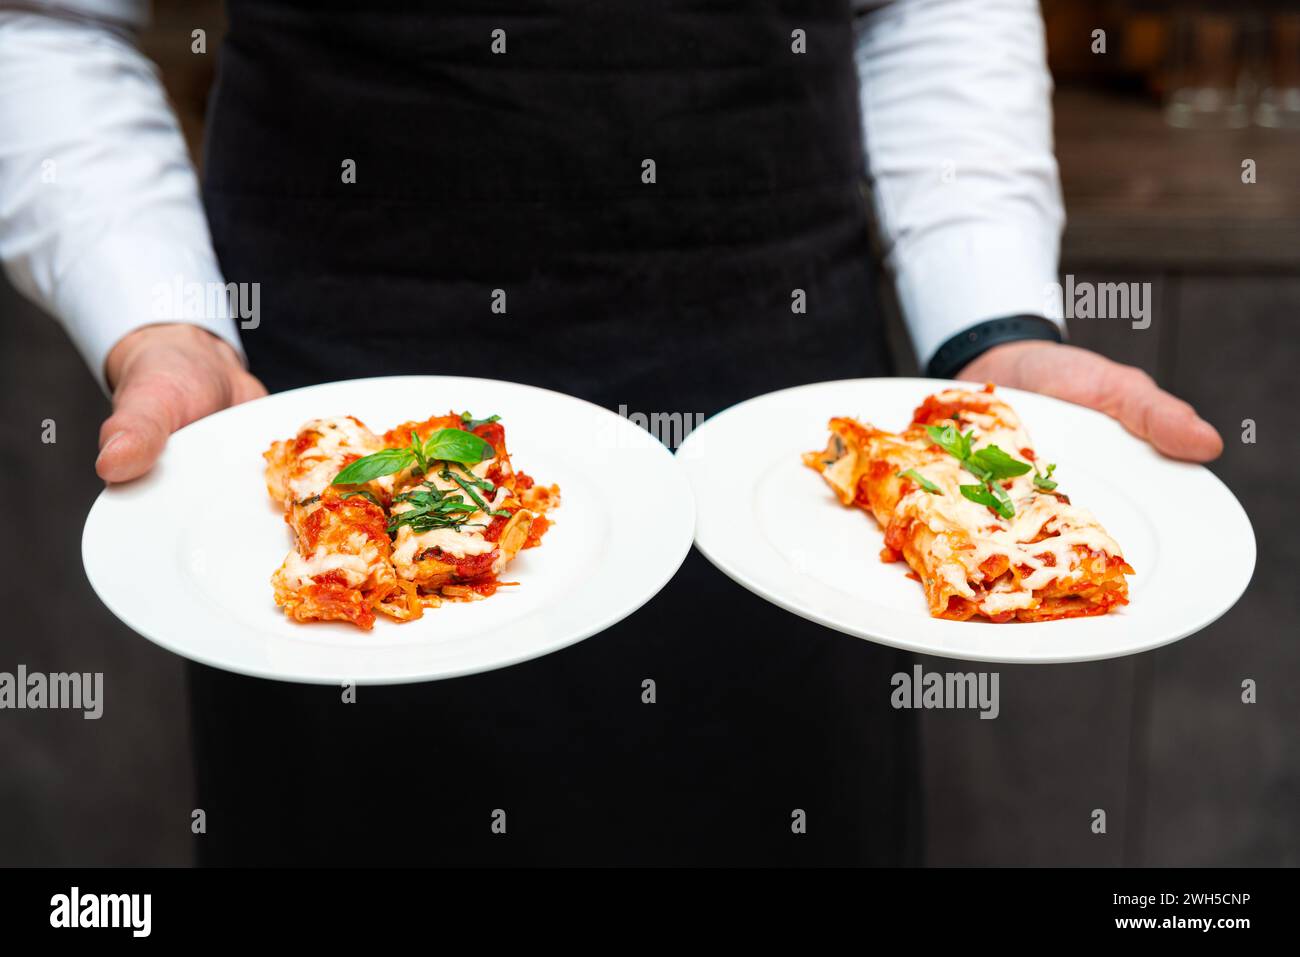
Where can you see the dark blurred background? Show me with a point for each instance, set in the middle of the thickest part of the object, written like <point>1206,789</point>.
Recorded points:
<point>1151,138</point>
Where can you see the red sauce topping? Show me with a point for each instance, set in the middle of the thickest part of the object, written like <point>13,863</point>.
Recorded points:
<point>335,577</point>
<point>879,468</point>
<point>465,567</point>
<point>361,513</point>
<point>494,435</point>
<point>863,495</point>
<point>472,566</point>
<point>932,410</point>
<point>994,566</point>
<point>897,534</point>
<point>493,532</point>
<point>536,530</point>
<point>334,602</point>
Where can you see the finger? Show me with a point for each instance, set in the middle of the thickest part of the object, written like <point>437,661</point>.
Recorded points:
<point>1167,422</point>
<point>133,437</point>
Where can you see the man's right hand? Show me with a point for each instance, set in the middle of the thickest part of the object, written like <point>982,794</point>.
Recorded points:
<point>164,377</point>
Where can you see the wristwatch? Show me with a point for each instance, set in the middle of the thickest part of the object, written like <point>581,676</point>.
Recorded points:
<point>966,346</point>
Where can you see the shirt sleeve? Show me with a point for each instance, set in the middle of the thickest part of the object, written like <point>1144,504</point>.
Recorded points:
<point>957,125</point>
<point>100,218</point>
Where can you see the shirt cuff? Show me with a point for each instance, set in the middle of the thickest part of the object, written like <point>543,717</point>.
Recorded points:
<point>955,278</point>
<point>128,281</point>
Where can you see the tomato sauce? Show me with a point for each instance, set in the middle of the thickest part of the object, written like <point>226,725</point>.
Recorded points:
<point>464,567</point>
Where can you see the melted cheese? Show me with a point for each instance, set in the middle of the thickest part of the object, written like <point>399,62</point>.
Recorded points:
<point>336,439</point>
<point>953,518</point>
<point>298,571</point>
<point>466,541</point>
<point>1002,600</point>
<point>454,543</point>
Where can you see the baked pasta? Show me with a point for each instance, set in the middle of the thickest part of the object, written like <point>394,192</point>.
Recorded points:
<point>391,525</point>
<point>962,499</point>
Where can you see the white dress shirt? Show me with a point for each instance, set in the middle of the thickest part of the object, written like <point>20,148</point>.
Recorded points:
<point>100,208</point>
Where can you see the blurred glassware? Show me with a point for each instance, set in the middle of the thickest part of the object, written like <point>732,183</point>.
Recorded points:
<point>1279,100</point>
<point>1212,85</point>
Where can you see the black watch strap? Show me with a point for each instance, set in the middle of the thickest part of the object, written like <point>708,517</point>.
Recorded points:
<point>969,344</point>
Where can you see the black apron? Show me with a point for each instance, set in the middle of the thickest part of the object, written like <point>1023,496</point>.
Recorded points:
<point>525,172</point>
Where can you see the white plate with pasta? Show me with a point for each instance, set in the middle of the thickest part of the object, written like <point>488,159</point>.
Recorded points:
<point>391,530</point>
<point>960,535</point>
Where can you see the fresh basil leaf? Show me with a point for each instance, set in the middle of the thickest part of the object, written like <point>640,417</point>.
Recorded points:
<point>947,438</point>
<point>922,481</point>
<point>456,445</point>
<point>990,465</point>
<point>951,440</point>
<point>472,423</point>
<point>383,462</point>
<point>999,464</point>
<point>1044,480</point>
<point>1004,506</point>
<point>985,495</point>
<point>417,450</point>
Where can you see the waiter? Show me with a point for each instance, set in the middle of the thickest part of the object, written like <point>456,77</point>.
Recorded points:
<point>649,189</point>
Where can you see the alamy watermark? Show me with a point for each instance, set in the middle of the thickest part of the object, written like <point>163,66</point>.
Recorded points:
<point>669,428</point>
<point>181,301</point>
<point>75,909</point>
<point>1099,300</point>
<point>933,689</point>
<point>36,690</point>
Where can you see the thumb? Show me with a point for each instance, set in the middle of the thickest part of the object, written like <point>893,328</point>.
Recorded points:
<point>1167,422</point>
<point>1179,432</point>
<point>132,438</point>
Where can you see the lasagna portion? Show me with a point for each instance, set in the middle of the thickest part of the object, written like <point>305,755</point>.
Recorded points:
<point>431,511</point>
<point>963,499</point>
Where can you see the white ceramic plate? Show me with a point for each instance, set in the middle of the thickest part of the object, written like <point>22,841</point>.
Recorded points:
<point>775,527</point>
<point>184,556</point>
